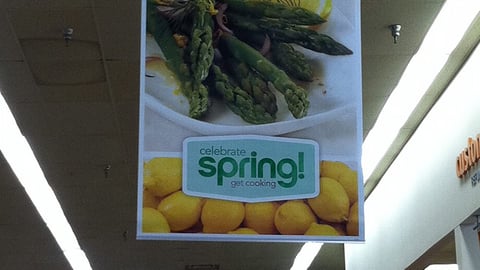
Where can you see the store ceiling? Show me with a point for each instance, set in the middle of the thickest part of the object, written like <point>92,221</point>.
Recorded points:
<point>77,129</point>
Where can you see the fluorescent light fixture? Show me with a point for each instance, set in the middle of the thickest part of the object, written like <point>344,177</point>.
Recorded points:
<point>306,255</point>
<point>442,267</point>
<point>452,21</point>
<point>21,159</point>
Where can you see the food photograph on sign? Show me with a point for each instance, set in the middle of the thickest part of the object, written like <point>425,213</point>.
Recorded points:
<point>250,121</point>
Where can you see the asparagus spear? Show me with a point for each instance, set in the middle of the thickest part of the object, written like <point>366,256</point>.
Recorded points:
<point>238,100</point>
<point>200,55</point>
<point>289,33</point>
<point>292,61</point>
<point>295,96</point>
<point>200,47</point>
<point>292,14</point>
<point>196,93</point>
<point>254,84</point>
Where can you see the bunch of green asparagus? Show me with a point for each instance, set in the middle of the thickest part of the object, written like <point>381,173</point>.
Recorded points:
<point>222,55</point>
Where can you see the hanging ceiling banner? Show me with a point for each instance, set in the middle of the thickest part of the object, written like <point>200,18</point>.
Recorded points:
<point>250,122</point>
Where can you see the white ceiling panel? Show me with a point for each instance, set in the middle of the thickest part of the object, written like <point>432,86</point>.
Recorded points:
<point>16,82</point>
<point>45,23</point>
<point>414,16</point>
<point>134,5</point>
<point>71,149</point>
<point>25,22</point>
<point>75,118</point>
<point>124,79</point>
<point>31,118</point>
<point>9,51</point>
<point>87,175</point>
<point>83,23</point>
<point>68,73</point>
<point>132,152</point>
<point>49,121</point>
<point>128,118</point>
<point>49,4</point>
<point>119,29</point>
<point>9,180</point>
<point>76,93</point>
<point>52,50</point>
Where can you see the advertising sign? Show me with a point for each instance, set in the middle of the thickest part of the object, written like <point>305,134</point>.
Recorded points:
<point>250,121</point>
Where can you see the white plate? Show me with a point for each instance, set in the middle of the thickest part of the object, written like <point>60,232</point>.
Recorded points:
<point>334,93</point>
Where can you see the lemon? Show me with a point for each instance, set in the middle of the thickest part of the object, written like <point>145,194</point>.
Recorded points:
<point>332,204</point>
<point>153,221</point>
<point>150,200</point>
<point>347,177</point>
<point>180,210</point>
<point>163,176</point>
<point>294,217</point>
<point>311,5</point>
<point>352,224</point>
<point>243,231</point>
<point>260,217</point>
<point>321,229</point>
<point>349,180</point>
<point>332,169</point>
<point>220,216</point>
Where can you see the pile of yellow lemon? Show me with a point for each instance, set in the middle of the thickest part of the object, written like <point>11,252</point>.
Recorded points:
<point>166,208</point>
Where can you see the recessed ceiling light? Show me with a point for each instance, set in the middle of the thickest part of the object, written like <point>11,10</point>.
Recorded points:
<point>19,155</point>
<point>442,267</point>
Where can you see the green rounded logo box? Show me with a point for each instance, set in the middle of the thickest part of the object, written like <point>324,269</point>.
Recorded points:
<point>250,168</point>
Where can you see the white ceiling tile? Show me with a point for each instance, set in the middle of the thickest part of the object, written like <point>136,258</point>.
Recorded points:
<point>80,118</point>
<point>83,22</point>
<point>113,25</point>
<point>118,46</point>
<point>68,73</point>
<point>50,24</point>
<point>76,93</point>
<point>55,4</point>
<point>128,117</point>
<point>132,166</point>
<point>381,73</point>
<point>89,175</point>
<point>16,82</point>
<point>31,118</point>
<point>24,22</point>
<point>104,3</point>
<point>371,110</point>
<point>124,78</point>
<point>117,3</point>
<point>132,149</point>
<point>415,19</point>
<point>9,49</point>
<point>9,180</point>
<point>40,49</point>
<point>21,212</point>
<point>35,22</point>
<point>89,149</point>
